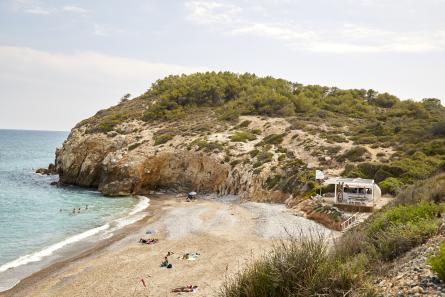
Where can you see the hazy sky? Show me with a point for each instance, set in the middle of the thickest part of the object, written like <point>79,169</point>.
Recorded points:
<point>61,61</point>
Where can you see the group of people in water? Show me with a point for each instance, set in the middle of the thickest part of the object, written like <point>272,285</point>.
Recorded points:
<point>75,210</point>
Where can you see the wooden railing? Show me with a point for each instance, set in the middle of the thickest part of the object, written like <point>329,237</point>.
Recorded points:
<point>352,219</point>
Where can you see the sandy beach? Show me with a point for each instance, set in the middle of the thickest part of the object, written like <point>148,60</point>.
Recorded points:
<point>226,234</point>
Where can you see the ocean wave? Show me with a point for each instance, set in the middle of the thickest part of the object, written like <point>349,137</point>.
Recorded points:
<point>51,249</point>
<point>143,203</point>
<point>134,216</point>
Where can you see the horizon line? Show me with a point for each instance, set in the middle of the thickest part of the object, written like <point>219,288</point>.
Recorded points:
<point>33,130</point>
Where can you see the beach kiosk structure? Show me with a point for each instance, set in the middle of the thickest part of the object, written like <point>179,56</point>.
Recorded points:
<point>354,193</point>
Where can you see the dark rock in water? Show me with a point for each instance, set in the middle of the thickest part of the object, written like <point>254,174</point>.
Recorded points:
<point>43,171</point>
<point>47,171</point>
<point>54,183</point>
<point>52,168</point>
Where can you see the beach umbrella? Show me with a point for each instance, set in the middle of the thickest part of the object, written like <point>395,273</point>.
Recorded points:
<point>192,193</point>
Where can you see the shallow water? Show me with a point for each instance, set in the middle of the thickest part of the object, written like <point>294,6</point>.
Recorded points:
<point>36,217</point>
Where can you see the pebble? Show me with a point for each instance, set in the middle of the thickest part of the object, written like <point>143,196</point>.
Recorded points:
<point>412,276</point>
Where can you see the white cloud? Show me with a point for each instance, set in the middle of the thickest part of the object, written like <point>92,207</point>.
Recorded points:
<point>75,9</point>
<point>46,90</point>
<point>39,8</point>
<point>31,7</point>
<point>347,38</point>
<point>207,12</point>
<point>274,31</point>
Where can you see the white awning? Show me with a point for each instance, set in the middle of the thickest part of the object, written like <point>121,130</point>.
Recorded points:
<point>354,182</point>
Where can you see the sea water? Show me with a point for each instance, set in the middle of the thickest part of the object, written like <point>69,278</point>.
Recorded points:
<point>37,218</point>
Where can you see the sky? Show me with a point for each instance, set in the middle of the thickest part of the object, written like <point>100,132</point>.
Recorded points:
<point>62,61</point>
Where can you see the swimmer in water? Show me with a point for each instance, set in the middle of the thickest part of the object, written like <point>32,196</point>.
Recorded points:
<point>86,206</point>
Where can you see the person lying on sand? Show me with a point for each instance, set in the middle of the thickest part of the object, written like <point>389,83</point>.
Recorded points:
<point>169,254</point>
<point>148,241</point>
<point>186,289</point>
<point>190,256</point>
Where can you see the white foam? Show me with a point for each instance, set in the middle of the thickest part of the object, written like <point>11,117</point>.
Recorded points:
<point>143,203</point>
<point>37,256</point>
<point>134,216</point>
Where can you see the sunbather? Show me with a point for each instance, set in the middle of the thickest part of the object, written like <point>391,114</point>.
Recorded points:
<point>148,241</point>
<point>186,289</point>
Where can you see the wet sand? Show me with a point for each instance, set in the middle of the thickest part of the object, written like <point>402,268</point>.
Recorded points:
<point>227,235</point>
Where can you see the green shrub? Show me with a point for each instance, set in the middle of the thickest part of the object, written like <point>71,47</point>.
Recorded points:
<point>399,239</point>
<point>244,124</point>
<point>253,153</point>
<point>400,228</point>
<point>162,137</point>
<point>208,146</point>
<point>355,154</point>
<point>391,185</point>
<point>263,157</point>
<point>242,136</point>
<point>437,262</point>
<point>272,139</point>
<point>133,146</point>
<point>438,129</point>
<point>256,131</point>
<point>385,100</point>
<point>298,268</point>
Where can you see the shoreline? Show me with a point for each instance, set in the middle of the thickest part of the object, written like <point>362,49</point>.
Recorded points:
<point>79,245</point>
<point>27,283</point>
<point>227,235</point>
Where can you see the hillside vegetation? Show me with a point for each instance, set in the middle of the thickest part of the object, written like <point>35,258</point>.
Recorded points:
<point>413,130</point>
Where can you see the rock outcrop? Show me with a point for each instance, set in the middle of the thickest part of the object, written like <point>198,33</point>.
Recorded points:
<point>131,162</point>
<point>197,154</point>
<point>47,171</point>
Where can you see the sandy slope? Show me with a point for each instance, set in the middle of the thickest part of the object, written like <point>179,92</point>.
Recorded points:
<point>226,234</point>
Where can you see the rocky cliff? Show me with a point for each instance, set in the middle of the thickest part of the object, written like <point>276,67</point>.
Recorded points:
<point>250,157</point>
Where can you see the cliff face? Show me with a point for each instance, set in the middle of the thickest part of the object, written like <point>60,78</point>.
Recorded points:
<point>258,158</point>
<point>130,159</point>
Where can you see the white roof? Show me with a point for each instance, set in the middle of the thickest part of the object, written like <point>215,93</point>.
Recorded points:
<point>349,181</point>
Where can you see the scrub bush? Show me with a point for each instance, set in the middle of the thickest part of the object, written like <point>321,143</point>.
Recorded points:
<point>242,136</point>
<point>437,262</point>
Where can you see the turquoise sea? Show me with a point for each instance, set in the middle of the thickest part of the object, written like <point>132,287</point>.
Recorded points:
<point>36,218</point>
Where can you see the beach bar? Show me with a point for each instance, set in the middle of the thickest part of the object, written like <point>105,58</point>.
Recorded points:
<point>354,193</point>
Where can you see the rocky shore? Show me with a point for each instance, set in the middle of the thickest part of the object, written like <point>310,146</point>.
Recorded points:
<point>411,274</point>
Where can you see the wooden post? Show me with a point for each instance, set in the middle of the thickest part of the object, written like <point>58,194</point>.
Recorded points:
<point>335,193</point>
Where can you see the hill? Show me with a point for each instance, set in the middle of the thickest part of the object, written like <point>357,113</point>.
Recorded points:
<point>259,137</point>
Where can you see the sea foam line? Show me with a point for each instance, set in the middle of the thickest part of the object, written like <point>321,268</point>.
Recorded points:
<point>51,249</point>
<point>143,203</point>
